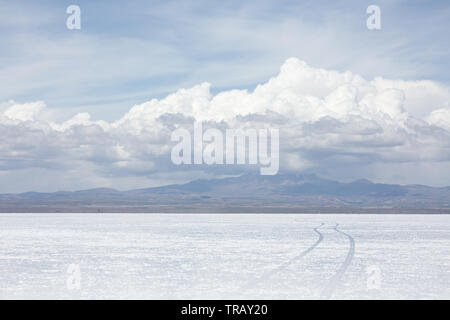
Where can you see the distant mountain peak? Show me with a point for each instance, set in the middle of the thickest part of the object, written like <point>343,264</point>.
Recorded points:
<point>363,181</point>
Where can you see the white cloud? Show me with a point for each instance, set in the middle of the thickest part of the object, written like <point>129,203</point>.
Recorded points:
<point>327,119</point>
<point>24,112</point>
<point>440,118</point>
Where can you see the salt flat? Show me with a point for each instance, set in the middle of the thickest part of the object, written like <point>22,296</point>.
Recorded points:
<point>224,256</point>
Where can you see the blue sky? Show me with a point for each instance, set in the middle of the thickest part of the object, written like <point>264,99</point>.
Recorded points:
<point>76,108</point>
<point>128,53</point>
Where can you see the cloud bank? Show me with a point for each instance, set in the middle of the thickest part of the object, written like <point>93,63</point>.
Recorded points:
<point>337,124</point>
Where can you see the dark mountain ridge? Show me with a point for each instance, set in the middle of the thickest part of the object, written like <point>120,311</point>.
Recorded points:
<point>246,193</point>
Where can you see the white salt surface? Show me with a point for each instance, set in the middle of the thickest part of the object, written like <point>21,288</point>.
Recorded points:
<point>224,256</point>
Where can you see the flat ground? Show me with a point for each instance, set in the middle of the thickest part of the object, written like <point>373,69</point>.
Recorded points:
<point>229,256</point>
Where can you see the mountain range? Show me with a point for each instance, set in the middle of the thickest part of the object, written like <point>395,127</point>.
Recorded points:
<point>252,193</point>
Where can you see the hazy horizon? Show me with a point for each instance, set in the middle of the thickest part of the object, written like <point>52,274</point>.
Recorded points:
<point>234,176</point>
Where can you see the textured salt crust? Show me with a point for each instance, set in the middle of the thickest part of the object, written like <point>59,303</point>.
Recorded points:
<point>168,256</point>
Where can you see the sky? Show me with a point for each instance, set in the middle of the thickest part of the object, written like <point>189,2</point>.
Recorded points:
<point>94,107</point>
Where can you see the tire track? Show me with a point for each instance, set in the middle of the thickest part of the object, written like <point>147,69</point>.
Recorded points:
<point>270,273</point>
<point>327,292</point>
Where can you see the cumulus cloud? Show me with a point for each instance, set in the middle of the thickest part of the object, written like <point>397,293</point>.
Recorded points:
<point>329,122</point>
